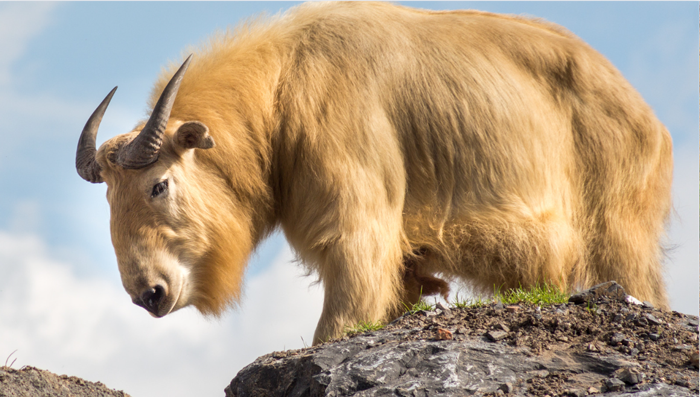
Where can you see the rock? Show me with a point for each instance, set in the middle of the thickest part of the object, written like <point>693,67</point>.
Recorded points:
<point>506,387</point>
<point>694,358</point>
<point>409,358</point>
<point>538,313</point>
<point>496,335</point>
<point>616,338</point>
<point>614,384</point>
<point>575,392</point>
<point>30,381</point>
<point>630,376</point>
<point>443,334</point>
<point>503,327</point>
<point>652,319</point>
<point>348,367</point>
<point>691,323</point>
<point>600,293</point>
<point>442,307</point>
<point>383,363</point>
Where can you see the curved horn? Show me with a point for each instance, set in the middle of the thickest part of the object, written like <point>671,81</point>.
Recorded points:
<point>143,150</point>
<point>85,162</point>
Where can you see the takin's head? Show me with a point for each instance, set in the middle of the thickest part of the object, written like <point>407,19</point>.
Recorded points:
<point>168,206</point>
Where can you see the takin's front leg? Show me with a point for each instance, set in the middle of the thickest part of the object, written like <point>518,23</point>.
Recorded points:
<point>362,278</point>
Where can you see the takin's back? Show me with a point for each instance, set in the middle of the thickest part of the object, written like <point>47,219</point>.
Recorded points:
<point>518,144</point>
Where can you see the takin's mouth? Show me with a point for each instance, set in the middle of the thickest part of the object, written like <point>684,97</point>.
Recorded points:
<point>168,293</point>
<point>176,303</point>
<point>155,299</point>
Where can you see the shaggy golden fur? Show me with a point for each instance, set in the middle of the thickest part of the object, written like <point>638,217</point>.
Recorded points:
<point>393,144</point>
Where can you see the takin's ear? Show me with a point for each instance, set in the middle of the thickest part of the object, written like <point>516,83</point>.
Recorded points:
<point>193,135</point>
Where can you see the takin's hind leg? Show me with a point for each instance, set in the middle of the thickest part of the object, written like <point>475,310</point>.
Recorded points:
<point>419,282</point>
<point>630,254</point>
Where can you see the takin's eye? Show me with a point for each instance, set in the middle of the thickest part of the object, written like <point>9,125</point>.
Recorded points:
<point>159,188</point>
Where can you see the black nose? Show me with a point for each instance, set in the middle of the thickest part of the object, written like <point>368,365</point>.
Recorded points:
<point>152,298</point>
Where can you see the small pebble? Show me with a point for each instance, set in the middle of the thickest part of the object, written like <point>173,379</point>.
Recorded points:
<point>653,319</point>
<point>443,334</point>
<point>506,387</point>
<point>694,358</point>
<point>616,338</point>
<point>503,327</point>
<point>442,307</point>
<point>614,384</point>
<point>575,392</point>
<point>631,376</point>
<point>496,335</point>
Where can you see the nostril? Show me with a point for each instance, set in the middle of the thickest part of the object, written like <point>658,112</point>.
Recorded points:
<point>152,298</point>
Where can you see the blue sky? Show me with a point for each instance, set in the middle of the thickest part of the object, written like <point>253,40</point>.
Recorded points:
<point>61,302</point>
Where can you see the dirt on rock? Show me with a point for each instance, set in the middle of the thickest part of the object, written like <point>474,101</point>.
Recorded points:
<point>30,381</point>
<point>663,343</point>
<point>602,341</point>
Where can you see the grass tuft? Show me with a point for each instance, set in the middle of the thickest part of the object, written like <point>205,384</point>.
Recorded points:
<point>539,294</point>
<point>364,326</point>
<point>420,305</point>
<point>479,301</point>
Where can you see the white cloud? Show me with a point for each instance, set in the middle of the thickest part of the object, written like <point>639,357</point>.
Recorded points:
<point>19,23</point>
<point>88,327</point>
<point>40,115</point>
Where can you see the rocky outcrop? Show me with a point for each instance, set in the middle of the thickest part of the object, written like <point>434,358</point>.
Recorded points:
<point>30,381</point>
<point>615,347</point>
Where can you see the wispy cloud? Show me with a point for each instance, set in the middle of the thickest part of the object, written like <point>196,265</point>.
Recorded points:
<point>88,327</point>
<point>19,23</point>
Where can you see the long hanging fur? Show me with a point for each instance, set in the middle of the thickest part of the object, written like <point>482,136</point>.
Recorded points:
<point>393,144</point>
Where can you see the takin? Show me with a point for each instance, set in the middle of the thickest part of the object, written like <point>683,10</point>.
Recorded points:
<point>395,148</point>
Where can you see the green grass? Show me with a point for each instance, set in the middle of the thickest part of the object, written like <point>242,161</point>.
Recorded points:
<point>364,326</point>
<point>544,294</point>
<point>479,301</point>
<point>418,306</point>
<point>591,308</point>
<point>540,294</point>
